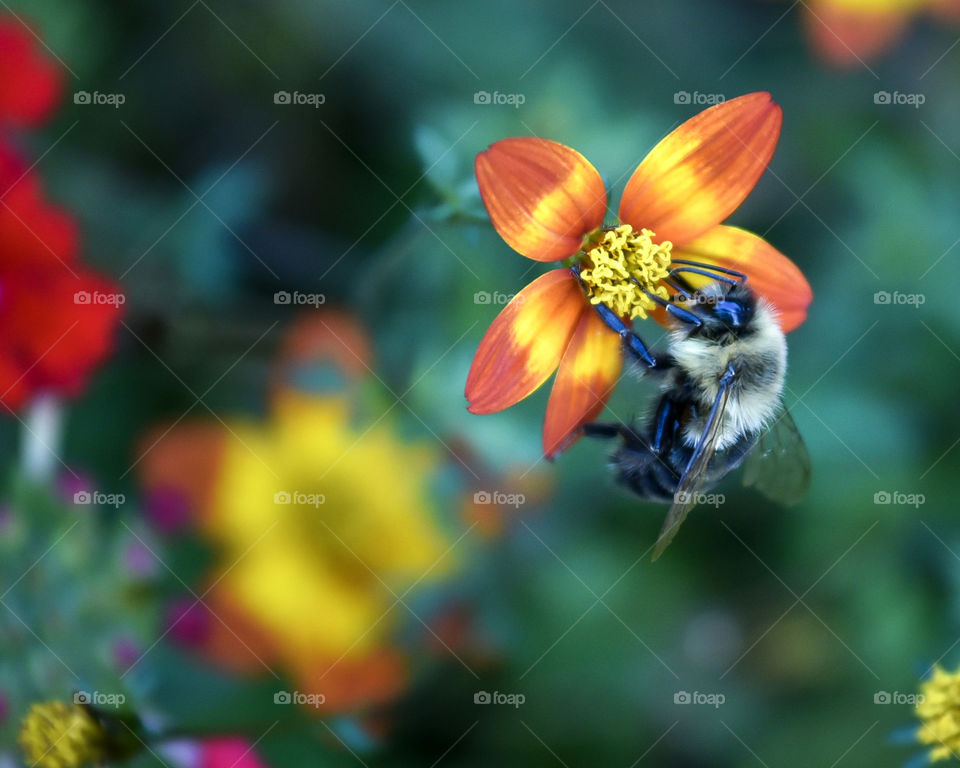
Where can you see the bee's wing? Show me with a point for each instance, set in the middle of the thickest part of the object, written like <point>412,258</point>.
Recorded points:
<point>779,465</point>
<point>685,498</point>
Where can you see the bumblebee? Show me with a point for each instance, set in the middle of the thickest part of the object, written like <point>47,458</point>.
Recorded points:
<point>720,405</point>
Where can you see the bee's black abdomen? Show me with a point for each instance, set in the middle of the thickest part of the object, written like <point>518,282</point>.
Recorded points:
<point>655,476</point>
<point>645,473</point>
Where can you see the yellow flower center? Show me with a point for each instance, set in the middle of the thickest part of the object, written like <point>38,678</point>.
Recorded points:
<point>938,708</point>
<point>621,265</point>
<point>59,735</point>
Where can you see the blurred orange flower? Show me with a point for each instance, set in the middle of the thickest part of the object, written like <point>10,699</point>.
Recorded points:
<point>495,499</point>
<point>847,33</point>
<point>548,203</point>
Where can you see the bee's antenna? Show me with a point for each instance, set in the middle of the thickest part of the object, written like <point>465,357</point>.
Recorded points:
<point>712,271</point>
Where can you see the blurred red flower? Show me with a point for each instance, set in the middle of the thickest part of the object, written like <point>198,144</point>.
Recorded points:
<point>56,317</point>
<point>31,83</point>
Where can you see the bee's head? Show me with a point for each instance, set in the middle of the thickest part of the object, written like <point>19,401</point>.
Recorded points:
<point>724,310</point>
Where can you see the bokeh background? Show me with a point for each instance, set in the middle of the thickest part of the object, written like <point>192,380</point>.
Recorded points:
<point>388,590</point>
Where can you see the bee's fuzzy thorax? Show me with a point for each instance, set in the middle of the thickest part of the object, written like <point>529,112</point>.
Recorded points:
<point>759,353</point>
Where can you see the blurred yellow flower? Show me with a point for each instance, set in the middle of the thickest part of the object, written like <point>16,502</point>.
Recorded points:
<point>319,524</point>
<point>939,711</point>
<point>315,514</point>
<point>59,735</point>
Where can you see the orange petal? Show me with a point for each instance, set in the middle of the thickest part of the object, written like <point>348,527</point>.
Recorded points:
<point>698,175</point>
<point>847,37</point>
<point>588,372</point>
<point>769,273</point>
<point>524,344</point>
<point>542,197</point>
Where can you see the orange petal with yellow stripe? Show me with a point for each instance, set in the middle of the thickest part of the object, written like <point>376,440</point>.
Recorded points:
<point>542,197</point>
<point>588,372</point>
<point>525,343</point>
<point>770,274</point>
<point>701,172</point>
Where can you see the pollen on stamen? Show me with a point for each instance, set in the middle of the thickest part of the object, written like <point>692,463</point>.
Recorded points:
<point>619,258</point>
<point>938,707</point>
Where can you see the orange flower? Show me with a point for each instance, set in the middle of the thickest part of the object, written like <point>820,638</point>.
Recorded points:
<point>847,32</point>
<point>548,203</point>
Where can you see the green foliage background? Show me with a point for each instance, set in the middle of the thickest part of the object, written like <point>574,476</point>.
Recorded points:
<point>797,616</point>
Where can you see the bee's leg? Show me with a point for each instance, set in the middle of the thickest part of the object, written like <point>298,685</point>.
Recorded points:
<point>608,429</point>
<point>631,342</point>
<point>602,429</point>
<point>665,425</point>
<point>664,429</point>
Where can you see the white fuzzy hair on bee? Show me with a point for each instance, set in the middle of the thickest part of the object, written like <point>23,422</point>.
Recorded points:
<point>759,356</point>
